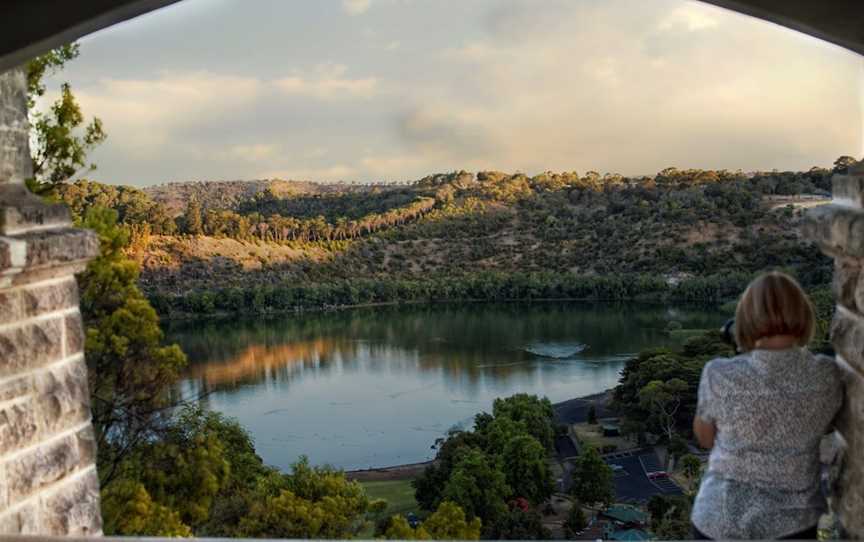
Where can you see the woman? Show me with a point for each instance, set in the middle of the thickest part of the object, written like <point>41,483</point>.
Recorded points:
<point>763,414</point>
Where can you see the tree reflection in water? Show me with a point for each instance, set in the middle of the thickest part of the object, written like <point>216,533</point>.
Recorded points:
<point>358,376</point>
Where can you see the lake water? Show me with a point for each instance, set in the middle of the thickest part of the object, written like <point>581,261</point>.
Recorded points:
<point>373,387</point>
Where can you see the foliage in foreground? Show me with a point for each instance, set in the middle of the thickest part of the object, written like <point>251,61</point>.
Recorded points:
<point>448,522</point>
<point>592,479</point>
<point>501,462</point>
<point>131,373</point>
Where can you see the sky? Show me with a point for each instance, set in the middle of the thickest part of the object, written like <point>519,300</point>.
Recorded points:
<point>393,90</point>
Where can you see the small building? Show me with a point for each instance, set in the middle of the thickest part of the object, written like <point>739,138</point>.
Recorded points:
<point>611,429</point>
<point>629,535</point>
<point>625,516</point>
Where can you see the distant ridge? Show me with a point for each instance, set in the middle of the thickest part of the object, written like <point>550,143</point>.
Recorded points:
<point>228,194</point>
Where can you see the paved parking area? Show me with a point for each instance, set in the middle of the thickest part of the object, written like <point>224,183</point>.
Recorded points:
<point>631,481</point>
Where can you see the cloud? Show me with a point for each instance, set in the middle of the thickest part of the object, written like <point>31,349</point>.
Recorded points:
<point>618,85</point>
<point>148,112</point>
<point>327,83</point>
<point>253,153</point>
<point>632,87</point>
<point>356,7</point>
<point>691,17</point>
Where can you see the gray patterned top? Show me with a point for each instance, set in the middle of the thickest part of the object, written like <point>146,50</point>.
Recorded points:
<point>771,409</point>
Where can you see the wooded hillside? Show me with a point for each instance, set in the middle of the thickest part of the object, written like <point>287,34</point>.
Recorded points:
<point>445,230</point>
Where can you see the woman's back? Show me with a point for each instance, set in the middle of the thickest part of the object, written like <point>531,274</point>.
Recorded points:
<point>771,409</point>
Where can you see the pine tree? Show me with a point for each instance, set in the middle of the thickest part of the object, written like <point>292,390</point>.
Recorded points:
<point>192,218</point>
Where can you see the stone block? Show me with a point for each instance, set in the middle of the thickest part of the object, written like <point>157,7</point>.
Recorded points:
<point>56,296</point>
<point>837,229</point>
<point>22,211</point>
<point>847,278</point>
<point>849,189</point>
<point>10,306</point>
<point>18,427</point>
<point>87,445</point>
<point>73,510</point>
<point>74,334</point>
<point>15,388</point>
<point>851,498</point>
<point>31,345</point>
<point>847,335</point>
<point>52,247</point>
<point>15,163</point>
<point>5,256</point>
<point>62,397</point>
<point>44,465</point>
<point>850,422</point>
<point>4,492</point>
<point>23,520</point>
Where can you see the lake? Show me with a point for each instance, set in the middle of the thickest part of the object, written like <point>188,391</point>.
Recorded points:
<point>373,387</point>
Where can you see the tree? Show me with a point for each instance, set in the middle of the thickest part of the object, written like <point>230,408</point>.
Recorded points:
<point>130,372</point>
<point>310,502</point>
<point>592,478</point>
<point>192,218</point>
<point>128,509</point>
<point>842,164</point>
<point>187,467</point>
<point>663,399</point>
<point>670,517</point>
<point>575,521</point>
<point>61,139</point>
<point>478,487</point>
<point>677,447</point>
<point>448,522</point>
<point>429,486</point>
<point>691,468</point>
<point>518,524</point>
<point>526,470</point>
<point>536,414</point>
<point>592,415</point>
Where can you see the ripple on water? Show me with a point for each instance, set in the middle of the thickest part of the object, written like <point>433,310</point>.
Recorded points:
<point>556,350</point>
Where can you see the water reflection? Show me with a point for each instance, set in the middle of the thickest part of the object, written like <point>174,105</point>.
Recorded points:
<point>376,386</point>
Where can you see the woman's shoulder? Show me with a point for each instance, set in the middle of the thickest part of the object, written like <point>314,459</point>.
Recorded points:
<point>720,366</point>
<point>721,373</point>
<point>827,367</point>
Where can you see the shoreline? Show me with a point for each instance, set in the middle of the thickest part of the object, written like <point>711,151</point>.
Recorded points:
<point>221,315</point>
<point>570,408</point>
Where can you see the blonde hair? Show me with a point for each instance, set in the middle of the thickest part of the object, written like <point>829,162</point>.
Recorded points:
<point>773,304</point>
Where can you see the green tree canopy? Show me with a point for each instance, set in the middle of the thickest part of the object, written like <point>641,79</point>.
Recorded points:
<point>310,502</point>
<point>526,469</point>
<point>534,412</point>
<point>592,478</point>
<point>478,487</point>
<point>662,400</point>
<point>131,373</point>
<point>448,522</point>
<point>61,138</point>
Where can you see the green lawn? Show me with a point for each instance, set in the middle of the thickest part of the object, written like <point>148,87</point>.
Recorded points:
<point>400,500</point>
<point>398,493</point>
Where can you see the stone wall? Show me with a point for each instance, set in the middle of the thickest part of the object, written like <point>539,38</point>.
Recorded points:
<point>839,230</point>
<point>48,481</point>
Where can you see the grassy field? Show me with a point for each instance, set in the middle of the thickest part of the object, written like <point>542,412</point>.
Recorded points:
<point>398,493</point>
<point>399,496</point>
<point>593,436</point>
